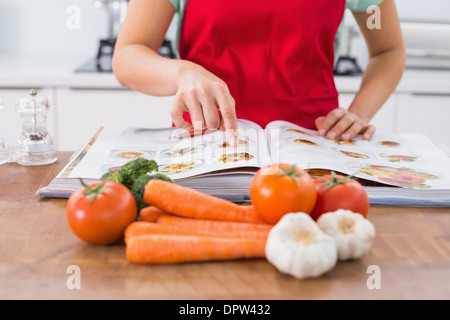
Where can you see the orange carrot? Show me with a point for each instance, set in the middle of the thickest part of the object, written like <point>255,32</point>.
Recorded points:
<point>232,229</point>
<point>151,213</point>
<point>163,248</point>
<point>190,203</point>
<point>138,228</point>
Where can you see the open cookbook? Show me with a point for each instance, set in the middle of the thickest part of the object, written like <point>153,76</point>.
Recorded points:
<point>402,169</point>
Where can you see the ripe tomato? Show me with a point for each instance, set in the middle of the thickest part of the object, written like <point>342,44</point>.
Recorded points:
<point>280,189</point>
<point>99,213</point>
<point>338,192</point>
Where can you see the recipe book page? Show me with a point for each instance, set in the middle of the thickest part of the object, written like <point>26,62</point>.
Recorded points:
<point>405,160</point>
<point>179,153</point>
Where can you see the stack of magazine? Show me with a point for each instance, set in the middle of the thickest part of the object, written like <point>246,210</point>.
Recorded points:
<point>396,169</point>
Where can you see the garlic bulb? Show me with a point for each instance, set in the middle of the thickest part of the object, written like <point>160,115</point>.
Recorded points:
<point>352,232</point>
<point>296,246</point>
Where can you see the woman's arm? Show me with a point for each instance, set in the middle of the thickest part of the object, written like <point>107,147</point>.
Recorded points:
<point>137,65</point>
<point>383,73</point>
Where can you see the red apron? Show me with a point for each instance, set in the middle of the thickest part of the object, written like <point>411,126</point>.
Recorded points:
<point>275,56</point>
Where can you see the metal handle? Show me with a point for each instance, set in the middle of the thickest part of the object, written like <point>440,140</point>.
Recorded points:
<point>431,94</point>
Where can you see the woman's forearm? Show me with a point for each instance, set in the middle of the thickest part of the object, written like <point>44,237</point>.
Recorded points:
<point>387,60</point>
<point>379,81</point>
<point>196,90</point>
<point>140,68</point>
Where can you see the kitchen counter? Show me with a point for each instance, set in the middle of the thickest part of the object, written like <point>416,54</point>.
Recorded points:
<point>28,72</point>
<point>37,250</point>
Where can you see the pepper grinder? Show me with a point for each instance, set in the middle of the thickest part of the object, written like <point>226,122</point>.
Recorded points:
<point>35,144</point>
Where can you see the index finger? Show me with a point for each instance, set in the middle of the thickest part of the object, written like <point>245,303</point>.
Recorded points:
<point>228,113</point>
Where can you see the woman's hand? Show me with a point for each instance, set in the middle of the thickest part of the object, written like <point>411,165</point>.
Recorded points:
<point>343,124</point>
<point>203,95</point>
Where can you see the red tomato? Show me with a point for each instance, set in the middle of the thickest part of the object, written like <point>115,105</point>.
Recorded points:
<point>280,189</point>
<point>340,192</point>
<point>99,214</point>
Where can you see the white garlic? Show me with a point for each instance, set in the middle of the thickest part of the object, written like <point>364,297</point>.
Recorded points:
<point>352,233</point>
<point>296,246</point>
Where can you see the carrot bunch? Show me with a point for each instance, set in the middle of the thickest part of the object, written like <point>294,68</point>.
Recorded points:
<point>190,203</point>
<point>184,225</point>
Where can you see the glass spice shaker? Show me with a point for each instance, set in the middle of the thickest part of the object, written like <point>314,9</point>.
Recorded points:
<point>35,145</point>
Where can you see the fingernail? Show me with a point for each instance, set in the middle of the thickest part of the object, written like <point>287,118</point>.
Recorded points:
<point>322,132</point>
<point>231,138</point>
<point>346,136</point>
<point>332,135</point>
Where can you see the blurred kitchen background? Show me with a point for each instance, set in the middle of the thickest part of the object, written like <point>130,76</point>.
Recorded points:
<point>63,49</point>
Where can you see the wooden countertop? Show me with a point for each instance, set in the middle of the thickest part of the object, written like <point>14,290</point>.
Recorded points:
<point>411,249</point>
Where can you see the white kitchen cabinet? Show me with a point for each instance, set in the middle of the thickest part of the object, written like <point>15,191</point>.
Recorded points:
<point>81,112</point>
<point>384,119</point>
<point>424,113</point>
<point>10,122</point>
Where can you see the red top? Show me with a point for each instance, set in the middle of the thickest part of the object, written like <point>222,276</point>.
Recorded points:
<point>276,57</point>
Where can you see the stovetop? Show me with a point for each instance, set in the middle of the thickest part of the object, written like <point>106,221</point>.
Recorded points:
<point>102,64</point>
<point>102,61</point>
